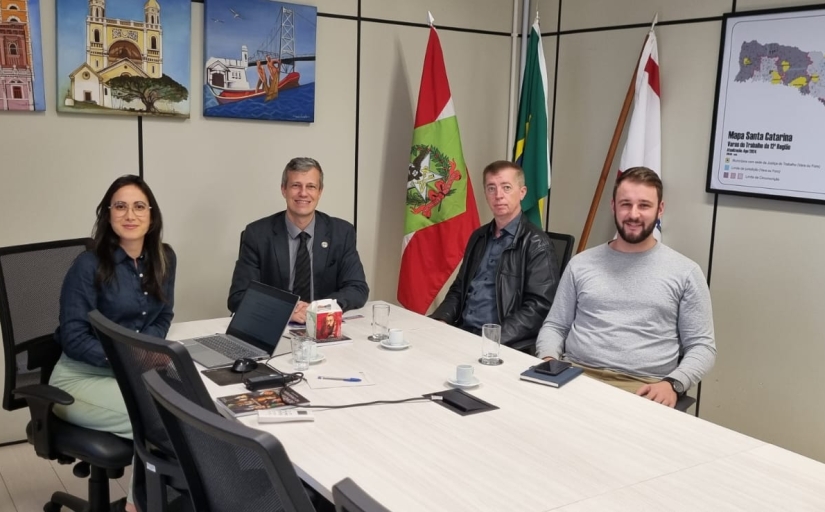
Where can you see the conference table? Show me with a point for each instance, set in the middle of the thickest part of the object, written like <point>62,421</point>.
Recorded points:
<point>583,447</point>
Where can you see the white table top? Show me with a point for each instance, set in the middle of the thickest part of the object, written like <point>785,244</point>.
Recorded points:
<point>586,446</point>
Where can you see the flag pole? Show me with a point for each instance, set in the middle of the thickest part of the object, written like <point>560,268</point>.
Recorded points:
<point>611,151</point>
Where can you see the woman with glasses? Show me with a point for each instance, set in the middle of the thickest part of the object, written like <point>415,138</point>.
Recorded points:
<point>129,276</point>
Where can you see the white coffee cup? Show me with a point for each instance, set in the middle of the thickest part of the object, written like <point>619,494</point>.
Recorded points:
<point>464,373</point>
<point>396,337</point>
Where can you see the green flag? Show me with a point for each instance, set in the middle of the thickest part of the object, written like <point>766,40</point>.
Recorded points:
<point>532,150</point>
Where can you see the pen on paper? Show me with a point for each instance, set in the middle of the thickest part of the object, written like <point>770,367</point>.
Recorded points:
<point>345,379</point>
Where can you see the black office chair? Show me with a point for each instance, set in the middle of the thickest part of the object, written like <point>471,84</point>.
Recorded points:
<point>31,277</point>
<point>131,354</point>
<point>348,497</point>
<point>240,245</point>
<point>227,465</point>
<point>564,248</point>
<point>684,403</point>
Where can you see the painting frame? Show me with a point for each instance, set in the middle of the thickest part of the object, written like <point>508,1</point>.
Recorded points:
<point>259,60</point>
<point>764,139</point>
<point>124,57</point>
<point>21,63</point>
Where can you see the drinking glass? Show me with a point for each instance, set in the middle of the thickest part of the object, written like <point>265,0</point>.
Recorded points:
<point>380,322</point>
<point>490,344</point>
<point>301,352</point>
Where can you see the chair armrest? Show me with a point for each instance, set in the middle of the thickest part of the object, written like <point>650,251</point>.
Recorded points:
<point>44,393</point>
<point>41,399</point>
<point>527,346</point>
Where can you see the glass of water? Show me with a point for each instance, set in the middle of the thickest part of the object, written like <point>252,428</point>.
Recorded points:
<point>380,322</point>
<point>490,344</point>
<point>302,352</point>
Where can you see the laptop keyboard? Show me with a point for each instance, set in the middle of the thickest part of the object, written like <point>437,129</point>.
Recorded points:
<point>228,348</point>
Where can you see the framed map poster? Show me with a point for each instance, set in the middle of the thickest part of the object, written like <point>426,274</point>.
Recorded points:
<point>768,137</point>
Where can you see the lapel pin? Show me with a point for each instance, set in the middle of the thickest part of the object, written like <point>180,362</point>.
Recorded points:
<point>324,245</point>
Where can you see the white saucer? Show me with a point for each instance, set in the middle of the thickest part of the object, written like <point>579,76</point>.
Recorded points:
<point>471,384</point>
<point>385,344</point>
<point>318,359</point>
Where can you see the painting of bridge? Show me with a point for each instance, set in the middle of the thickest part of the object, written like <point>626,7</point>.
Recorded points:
<point>259,60</point>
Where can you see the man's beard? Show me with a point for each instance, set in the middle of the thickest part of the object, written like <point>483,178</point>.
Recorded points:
<point>646,231</point>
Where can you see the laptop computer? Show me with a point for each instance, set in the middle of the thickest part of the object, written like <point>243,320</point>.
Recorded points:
<point>254,331</point>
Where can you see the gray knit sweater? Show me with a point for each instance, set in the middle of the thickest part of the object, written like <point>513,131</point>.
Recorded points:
<point>635,313</point>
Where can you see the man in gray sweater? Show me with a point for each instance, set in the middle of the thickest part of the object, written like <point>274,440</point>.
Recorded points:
<point>633,312</point>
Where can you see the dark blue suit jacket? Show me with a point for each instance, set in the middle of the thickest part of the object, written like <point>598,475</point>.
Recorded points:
<point>336,267</point>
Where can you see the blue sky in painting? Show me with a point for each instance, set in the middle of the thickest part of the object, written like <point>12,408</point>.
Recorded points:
<point>175,18</point>
<point>224,38</point>
<point>37,51</point>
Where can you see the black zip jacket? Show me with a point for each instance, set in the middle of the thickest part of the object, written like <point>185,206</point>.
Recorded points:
<point>526,282</point>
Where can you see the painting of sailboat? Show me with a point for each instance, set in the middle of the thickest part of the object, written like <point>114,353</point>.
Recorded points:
<point>260,60</point>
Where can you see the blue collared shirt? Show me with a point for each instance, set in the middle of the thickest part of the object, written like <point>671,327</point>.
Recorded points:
<point>123,301</point>
<point>481,307</point>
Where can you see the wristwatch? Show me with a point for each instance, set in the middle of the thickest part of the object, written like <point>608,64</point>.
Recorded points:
<point>676,385</point>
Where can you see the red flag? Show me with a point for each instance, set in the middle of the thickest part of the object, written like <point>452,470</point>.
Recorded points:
<point>440,207</point>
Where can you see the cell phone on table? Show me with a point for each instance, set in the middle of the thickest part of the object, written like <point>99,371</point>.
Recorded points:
<point>552,367</point>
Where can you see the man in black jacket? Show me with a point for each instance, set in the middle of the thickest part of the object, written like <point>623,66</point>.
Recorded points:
<point>301,249</point>
<point>510,272</point>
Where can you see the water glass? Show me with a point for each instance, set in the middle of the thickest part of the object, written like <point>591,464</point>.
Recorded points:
<point>490,344</point>
<point>302,352</point>
<point>380,322</point>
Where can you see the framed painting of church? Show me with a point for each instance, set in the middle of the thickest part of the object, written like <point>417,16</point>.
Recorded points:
<point>126,57</point>
<point>21,56</point>
<point>259,60</point>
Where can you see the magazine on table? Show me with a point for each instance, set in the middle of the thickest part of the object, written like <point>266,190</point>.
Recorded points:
<point>251,402</point>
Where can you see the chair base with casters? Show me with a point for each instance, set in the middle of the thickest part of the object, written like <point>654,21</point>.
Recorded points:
<point>102,455</point>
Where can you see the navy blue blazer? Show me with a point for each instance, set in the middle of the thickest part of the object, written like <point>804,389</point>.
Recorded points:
<point>336,268</point>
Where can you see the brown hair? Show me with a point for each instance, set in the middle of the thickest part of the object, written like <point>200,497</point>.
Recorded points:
<point>641,175</point>
<point>500,165</point>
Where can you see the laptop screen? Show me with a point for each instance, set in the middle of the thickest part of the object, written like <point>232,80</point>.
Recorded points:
<point>262,316</point>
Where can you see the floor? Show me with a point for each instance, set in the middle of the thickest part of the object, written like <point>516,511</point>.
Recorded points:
<point>27,481</point>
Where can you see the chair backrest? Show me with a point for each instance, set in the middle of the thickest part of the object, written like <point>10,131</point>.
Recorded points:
<point>131,354</point>
<point>348,497</point>
<point>31,277</point>
<point>240,244</point>
<point>564,248</point>
<point>227,465</point>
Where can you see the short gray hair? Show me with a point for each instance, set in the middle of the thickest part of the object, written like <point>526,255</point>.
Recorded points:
<point>301,164</point>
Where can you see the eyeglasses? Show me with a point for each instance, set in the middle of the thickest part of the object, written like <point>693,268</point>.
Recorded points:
<point>120,208</point>
<point>492,190</point>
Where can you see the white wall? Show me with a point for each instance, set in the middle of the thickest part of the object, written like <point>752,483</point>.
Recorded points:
<point>56,167</point>
<point>767,278</point>
<point>766,273</point>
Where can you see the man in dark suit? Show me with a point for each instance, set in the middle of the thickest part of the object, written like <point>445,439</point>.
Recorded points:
<point>301,249</point>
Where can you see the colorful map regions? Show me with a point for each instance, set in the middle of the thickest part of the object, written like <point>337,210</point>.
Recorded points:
<point>783,65</point>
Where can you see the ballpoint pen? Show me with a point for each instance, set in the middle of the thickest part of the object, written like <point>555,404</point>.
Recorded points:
<point>345,379</point>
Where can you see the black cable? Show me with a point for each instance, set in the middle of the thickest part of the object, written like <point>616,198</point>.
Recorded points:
<point>363,404</point>
<point>299,376</point>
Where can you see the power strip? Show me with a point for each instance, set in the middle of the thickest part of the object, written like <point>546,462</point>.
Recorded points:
<point>270,381</point>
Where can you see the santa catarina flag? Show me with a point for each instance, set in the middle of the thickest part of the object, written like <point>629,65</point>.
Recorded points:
<point>440,207</point>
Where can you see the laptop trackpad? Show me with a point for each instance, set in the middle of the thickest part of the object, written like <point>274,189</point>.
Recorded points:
<point>206,356</point>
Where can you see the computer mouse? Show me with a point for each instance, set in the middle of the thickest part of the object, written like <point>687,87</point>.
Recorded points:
<point>244,365</point>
